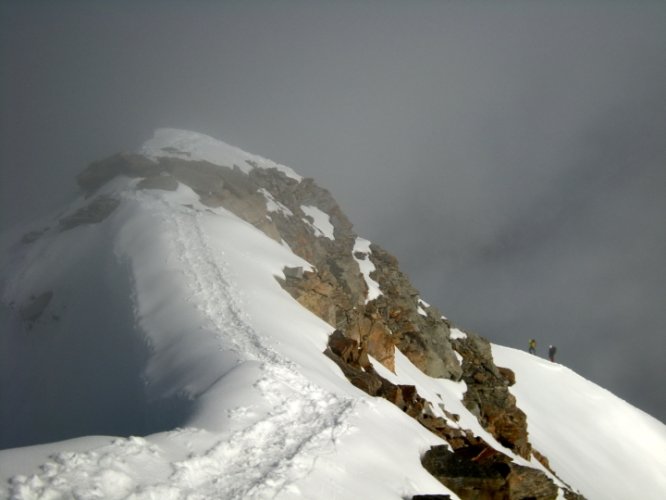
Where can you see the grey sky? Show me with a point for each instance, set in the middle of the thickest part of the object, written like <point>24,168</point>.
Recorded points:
<point>512,155</point>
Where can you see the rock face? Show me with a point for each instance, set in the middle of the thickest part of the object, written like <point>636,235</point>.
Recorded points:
<point>476,473</point>
<point>471,468</point>
<point>337,288</point>
<point>488,397</point>
<point>422,336</point>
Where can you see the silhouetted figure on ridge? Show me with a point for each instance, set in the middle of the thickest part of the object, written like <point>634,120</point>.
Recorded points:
<point>551,352</point>
<point>532,346</point>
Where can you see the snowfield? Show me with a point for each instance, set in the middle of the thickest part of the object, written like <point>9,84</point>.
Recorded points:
<point>269,416</point>
<point>166,321</point>
<point>596,442</point>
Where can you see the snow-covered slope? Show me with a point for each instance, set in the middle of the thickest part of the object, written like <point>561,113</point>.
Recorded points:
<point>593,439</point>
<point>165,320</point>
<point>266,414</point>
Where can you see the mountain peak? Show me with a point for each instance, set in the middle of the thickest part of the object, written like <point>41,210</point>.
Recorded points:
<point>195,146</point>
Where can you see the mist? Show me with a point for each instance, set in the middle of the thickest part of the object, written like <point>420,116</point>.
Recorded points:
<point>511,155</point>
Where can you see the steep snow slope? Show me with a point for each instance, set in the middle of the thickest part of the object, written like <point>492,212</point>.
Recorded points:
<point>166,320</point>
<point>593,439</point>
<point>267,414</point>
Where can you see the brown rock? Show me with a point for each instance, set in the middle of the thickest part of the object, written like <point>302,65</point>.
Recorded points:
<point>488,397</point>
<point>345,348</point>
<point>508,375</point>
<point>373,335</point>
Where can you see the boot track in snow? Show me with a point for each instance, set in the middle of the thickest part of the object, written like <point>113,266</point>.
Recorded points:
<point>264,458</point>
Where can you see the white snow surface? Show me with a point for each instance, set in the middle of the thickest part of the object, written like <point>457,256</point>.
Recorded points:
<point>170,142</point>
<point>269,416</point>
<point>362,246</point>
<point>457,334</point>
<point>321,221</point>
<point>596,442</point>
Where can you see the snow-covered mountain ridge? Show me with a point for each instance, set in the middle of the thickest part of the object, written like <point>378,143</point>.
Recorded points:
<point>219,305</point>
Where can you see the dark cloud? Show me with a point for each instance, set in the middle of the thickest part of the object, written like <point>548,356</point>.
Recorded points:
<point>510,154</point>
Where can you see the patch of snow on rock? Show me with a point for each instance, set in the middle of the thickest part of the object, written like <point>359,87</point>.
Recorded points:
<point>421,304</point>
<point>457,334</point>
<point>321,221</point>
<point>275,206</point>
<point>362,246</point>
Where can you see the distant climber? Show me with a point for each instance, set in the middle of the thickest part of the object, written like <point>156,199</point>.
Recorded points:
<point>551,352</point>
<point>532,347</point>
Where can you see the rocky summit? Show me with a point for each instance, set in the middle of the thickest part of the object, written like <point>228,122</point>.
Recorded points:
<point>381,338</point>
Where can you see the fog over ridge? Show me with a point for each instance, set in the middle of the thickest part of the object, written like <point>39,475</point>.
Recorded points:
<point>511,155</point>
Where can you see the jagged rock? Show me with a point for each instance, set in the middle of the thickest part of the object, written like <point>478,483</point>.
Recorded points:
<point>508,375</point>
<point>488,397</point>
<point>307,291</point>
<point>96,211</point>
<point>349,356</point>
<point>345,348</point>
<point>525,482</point>
<point>466,477</point>
<point>424,340</point>
<point>372,333</point>
<point>293,272</point>
<point>365,379</point>
<point>472,468</point>
<point>480,472</point>
<point>406,398</point>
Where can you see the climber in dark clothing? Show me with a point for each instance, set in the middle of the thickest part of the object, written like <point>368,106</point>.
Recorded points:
<point>532,348</point>
<point>551,352</point>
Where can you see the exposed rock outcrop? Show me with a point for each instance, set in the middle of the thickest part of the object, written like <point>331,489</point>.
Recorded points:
<point>468,466</point>
<point>485,474</point>
<point>423,338</point>
<point>488,397</point>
